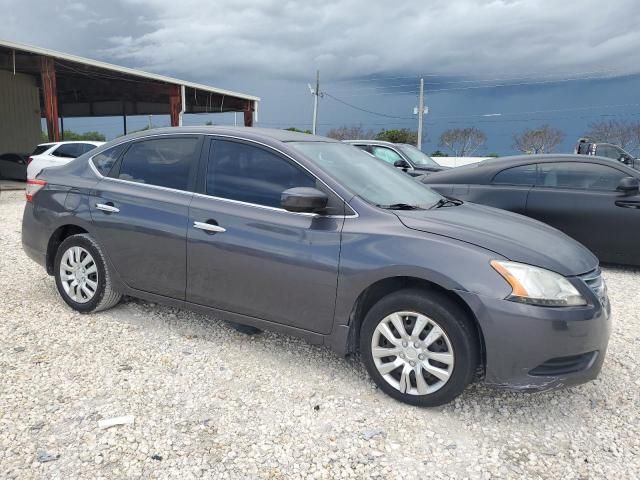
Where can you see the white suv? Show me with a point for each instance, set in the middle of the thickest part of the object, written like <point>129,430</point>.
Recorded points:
<point>57,153</point>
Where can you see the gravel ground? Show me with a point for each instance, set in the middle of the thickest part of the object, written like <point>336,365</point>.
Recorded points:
<point>209,402</point>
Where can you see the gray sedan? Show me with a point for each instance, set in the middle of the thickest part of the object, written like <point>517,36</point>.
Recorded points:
<point>308,236</point>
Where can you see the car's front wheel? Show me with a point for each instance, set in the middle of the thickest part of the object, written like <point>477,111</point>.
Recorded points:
<point>82,276</point>
<point>419,347</point>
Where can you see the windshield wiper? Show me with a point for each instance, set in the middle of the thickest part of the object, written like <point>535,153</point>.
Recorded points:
<point>446,202</point>
<point>400,206</point>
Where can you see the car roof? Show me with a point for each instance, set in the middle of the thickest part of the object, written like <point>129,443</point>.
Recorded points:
<point>371,142</point>
<point>251,133</point>
<point>51,144</point>
<point>485,170</point>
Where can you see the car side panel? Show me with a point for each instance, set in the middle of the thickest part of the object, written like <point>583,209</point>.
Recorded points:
<point>611,232</point>
<point>370,257</point>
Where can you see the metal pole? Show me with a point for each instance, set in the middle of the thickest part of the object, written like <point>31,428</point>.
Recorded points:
<point>315,102</point>
<point>420,114</point>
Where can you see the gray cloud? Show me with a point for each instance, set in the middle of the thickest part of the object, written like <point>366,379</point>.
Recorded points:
<point>345,39</point>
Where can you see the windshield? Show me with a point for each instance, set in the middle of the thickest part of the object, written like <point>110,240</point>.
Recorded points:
<point>417,156</point>
<point>368,177</point>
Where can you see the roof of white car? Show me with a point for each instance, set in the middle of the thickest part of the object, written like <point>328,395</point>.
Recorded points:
<point>51,144</point>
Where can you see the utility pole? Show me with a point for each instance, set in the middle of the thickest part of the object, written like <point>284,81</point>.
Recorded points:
<point>420,114</point>
<point>315,92</point>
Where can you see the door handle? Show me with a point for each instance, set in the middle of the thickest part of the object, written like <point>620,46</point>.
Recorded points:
<point>107,207</point>
<point>628,203</point>
<point>209,227</point>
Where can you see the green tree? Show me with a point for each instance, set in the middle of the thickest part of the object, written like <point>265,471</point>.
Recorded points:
<point>493,155</point>
<point>439,153</point>
<point>402,135</point>
<point>294,129</point>
<point>70,135</point>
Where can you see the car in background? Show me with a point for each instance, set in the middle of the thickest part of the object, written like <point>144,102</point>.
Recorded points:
<point>57,153</point>
<point>591,199</point>
<point>311,237</point>
<point>13,166</point>
<point>401,155</point>
<point>608,150</point>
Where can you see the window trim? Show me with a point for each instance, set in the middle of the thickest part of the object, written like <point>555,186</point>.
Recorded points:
<point>209,136</point>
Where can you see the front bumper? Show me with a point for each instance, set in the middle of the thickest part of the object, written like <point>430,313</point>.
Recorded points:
<point>530,348</point>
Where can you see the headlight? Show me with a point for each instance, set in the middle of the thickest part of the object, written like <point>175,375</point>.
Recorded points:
<point>537,286</point>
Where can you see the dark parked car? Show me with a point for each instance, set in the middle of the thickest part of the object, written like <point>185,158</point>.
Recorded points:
<point>401,155</point>
<point>13,166</point>
<point>608,150</point>
<point>591,199</point>
<point>307,236</point>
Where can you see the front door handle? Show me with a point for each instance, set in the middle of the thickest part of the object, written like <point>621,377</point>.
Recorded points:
<point>107,207</point>
<point>209,227</point>
<point>628,203</point>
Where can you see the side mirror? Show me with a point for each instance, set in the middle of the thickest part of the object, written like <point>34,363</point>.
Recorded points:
<point>628,185</point>
<point>401,164</point>
<point>303,199</point>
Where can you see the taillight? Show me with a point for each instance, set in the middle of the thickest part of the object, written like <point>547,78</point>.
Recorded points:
<point>29,160</point>
<point>33,187</point>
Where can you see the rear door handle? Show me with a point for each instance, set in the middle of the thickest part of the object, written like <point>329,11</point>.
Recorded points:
<point>209,227</point>
<point>628,203</point>
<point>107,207</point>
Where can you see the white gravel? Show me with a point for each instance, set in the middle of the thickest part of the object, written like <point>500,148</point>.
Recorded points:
<point>209,402</point>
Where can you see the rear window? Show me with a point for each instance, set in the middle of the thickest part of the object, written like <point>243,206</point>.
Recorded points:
<point>40,149</point>
<point>524,175</point>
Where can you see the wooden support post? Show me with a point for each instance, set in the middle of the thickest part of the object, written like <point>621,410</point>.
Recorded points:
<point>50,97</point>
<point>248,114</point>
<point>175,104</point>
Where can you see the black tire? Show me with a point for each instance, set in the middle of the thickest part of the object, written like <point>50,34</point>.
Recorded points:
<point>451,318</point>
<point>105,296</point>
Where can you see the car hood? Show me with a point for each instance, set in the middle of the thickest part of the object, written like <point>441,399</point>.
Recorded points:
<point>518,238</point>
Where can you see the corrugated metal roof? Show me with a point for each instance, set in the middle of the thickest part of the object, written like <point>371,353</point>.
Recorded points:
<point>125,70</point>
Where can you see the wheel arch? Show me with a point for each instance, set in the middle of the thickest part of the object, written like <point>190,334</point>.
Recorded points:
<point>57,237</point>
<point>383,287</point>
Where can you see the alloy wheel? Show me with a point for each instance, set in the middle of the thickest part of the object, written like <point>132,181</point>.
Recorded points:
<point>412,353</point>
<point>78,274</point>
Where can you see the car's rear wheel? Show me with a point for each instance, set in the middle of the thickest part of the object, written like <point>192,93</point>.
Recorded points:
<point>82,276</point>
<point>419,347</point>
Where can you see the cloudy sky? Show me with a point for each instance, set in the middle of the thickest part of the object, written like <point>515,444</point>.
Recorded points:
<point>544,61</point>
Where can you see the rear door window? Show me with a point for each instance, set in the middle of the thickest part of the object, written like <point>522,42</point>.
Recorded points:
<point>164,162</point>
<point>580,176</point>
<point>524,175</point>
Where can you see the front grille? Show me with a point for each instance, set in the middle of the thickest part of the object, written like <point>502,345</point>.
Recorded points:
<point>596,283</point>
<point>564,365</point>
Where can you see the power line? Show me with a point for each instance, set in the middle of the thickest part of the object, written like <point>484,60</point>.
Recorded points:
<point>365,110</point>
